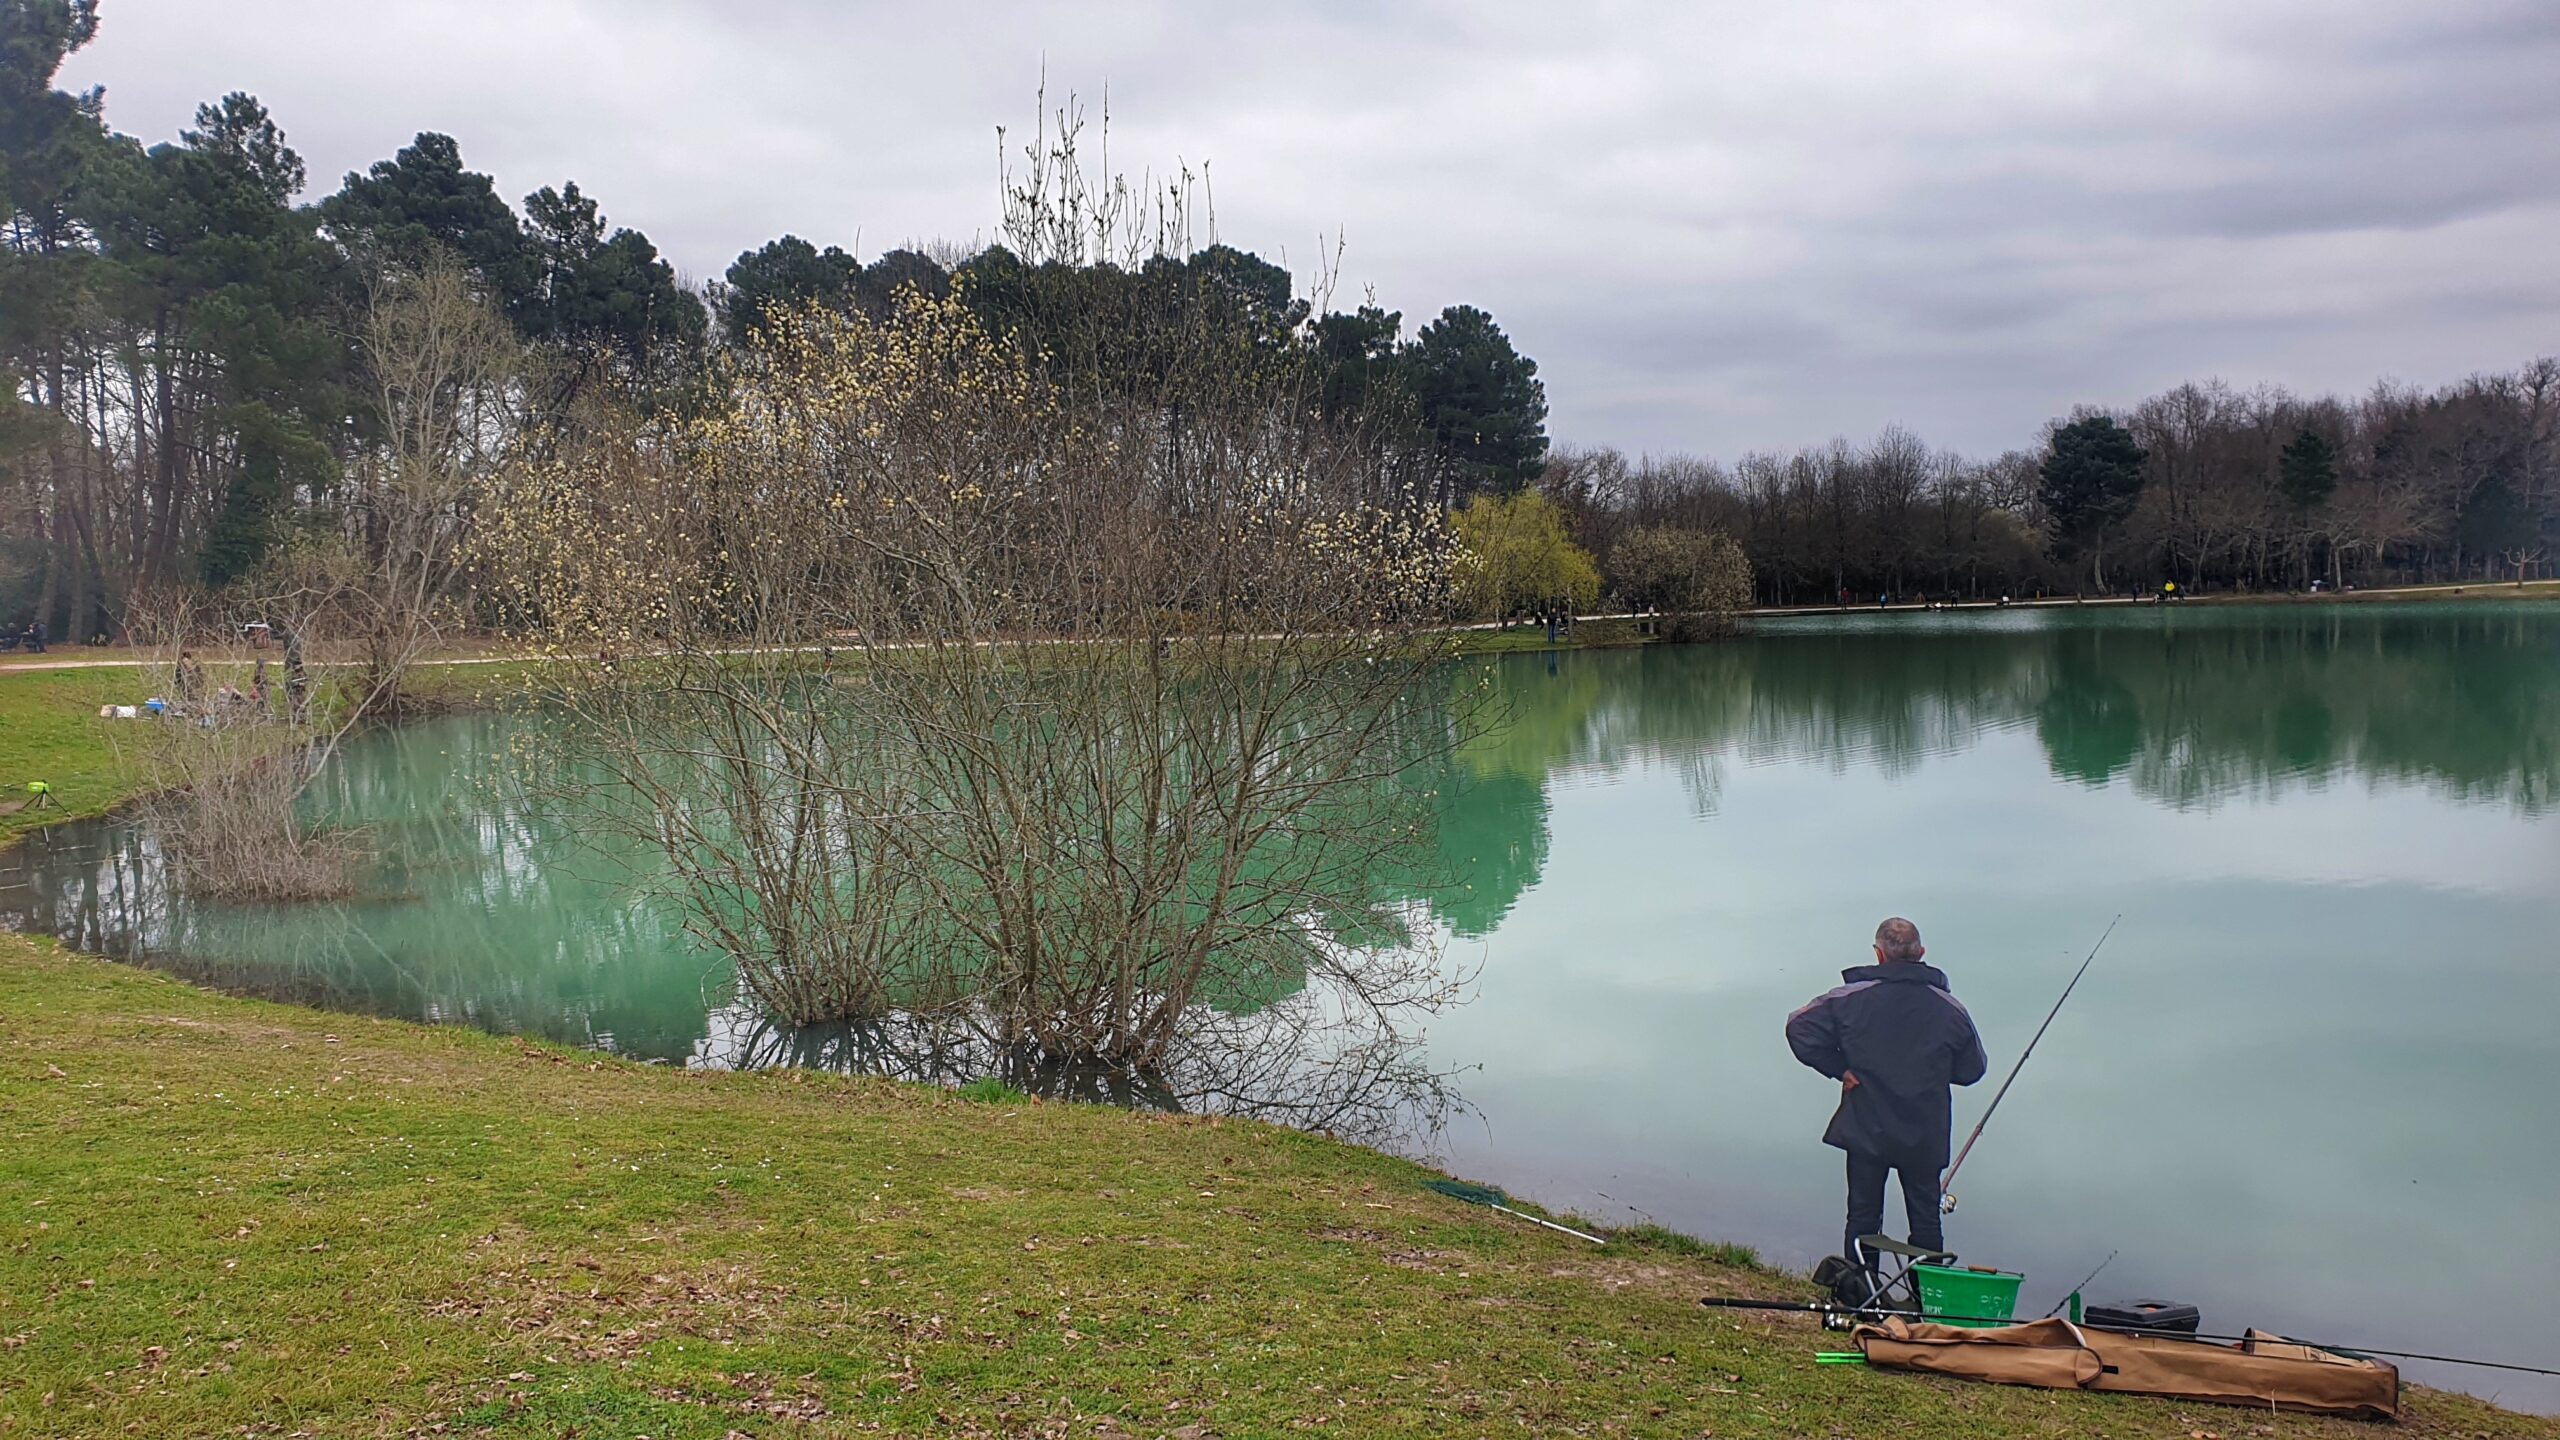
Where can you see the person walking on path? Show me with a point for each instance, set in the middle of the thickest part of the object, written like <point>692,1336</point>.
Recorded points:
<point>1897,1040</point>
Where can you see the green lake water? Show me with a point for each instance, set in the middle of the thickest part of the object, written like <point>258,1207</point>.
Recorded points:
<point>2309,1085</point>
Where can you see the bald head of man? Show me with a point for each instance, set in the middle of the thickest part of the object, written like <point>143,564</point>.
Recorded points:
<point>1898,939</point>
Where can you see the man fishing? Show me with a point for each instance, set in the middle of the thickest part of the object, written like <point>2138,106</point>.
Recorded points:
<point>1896,1039</point>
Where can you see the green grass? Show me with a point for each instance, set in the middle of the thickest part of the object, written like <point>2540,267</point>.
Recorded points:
<point>223,1217</point>
<point>1654,1239</point>
<point>50,731</point>
<point>988,1090</point>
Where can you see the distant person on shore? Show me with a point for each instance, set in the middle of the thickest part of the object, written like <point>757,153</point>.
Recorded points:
<point>297,682</point>
<point>1896,1038</point>
<point>36,636</point>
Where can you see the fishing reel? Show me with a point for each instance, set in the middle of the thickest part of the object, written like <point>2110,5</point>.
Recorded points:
<point>1946,1202</point>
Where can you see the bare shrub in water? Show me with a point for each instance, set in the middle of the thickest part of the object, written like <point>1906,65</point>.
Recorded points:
<point>945,681</point>
<point>238,738</point>
<point>237,832</point>
<point>1292,1062</point>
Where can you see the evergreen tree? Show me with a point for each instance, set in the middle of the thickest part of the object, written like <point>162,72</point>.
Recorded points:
<point>1358,367</point>
<point>1483,408</point>
<point>1245,295</point>
<point>49,142</point>
<point>881,280</point>
<point>783,276</point>
<point>2307,471</point>
<point>233,305</point>
<point>599,292</point>
<point>2090,479</point>
<point>397,212</point>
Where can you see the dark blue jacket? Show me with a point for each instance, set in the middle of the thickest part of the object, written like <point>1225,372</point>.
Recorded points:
<point>1907,1039</point>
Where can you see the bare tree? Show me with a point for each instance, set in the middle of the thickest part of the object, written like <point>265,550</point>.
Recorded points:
<point>1071,729</point>
<point>1699,579</point>
<point>444,368</point>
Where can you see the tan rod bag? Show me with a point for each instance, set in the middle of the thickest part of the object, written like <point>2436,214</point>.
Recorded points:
<point>2262,1371</point>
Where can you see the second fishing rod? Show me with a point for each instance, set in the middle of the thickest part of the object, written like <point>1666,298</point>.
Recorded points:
<point>1946,1187</point>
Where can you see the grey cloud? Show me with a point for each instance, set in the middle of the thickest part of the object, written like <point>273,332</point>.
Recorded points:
<point>1716,225</point>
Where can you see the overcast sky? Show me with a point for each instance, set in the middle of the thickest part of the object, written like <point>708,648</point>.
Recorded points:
<point>1716,226</point>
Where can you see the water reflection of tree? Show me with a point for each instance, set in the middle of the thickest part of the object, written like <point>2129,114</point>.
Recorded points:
<point>492,910</point>
<point>489,907</point>
<point>2188,708</point>
<point>1306,1060</point>
<point>2089,721</point>
<point>2462,703</point>
<point>480,909</point>
<point>1489,847</point>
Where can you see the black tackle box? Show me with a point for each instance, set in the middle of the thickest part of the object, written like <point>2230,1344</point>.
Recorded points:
<point>2160,1316</point>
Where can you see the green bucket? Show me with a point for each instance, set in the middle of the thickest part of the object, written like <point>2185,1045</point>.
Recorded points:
<point>1987,1297</point>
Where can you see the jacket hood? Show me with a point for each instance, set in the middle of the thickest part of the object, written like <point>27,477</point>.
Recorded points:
<point>1909,972</point>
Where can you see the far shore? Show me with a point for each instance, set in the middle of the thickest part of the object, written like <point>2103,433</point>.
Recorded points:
<point>2495,590</point>
<point>1608,628</point>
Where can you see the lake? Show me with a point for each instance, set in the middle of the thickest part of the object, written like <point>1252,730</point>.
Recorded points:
<point>2306,1086</point>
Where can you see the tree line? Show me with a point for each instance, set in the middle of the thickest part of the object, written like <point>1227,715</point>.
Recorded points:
<point>189,384</point>
<point>2204,486</point>
<point>196,381</point>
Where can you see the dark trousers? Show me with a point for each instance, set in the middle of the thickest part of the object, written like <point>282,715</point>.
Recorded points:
<point>1866,1203</point>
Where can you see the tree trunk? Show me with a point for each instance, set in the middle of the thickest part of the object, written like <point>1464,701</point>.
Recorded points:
<point>56,551</point>
<point>76,617</point>
<point>161,547</point>
<point>57,477</point>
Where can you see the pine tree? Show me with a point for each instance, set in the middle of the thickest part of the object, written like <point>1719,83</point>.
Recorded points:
<point>2091,477</point>
<point>1483,407</point>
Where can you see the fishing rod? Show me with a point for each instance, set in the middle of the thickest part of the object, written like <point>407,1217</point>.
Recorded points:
<point>1946,1187</point>
<point>1493,1199</point>
<point>1817,1307</point>
<point>2073,1293</point>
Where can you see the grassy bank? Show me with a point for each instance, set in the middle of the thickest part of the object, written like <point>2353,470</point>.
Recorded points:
<point>2396,595</point>
<point>50,731</point>
<point>228,1217</point>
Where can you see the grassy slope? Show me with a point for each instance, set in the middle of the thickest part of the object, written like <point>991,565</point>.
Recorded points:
<point>222,1216</point>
